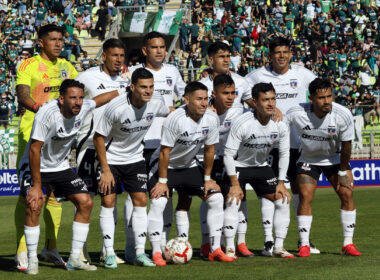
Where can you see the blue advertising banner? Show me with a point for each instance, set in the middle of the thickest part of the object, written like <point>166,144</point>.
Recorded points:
<point>366,174</point>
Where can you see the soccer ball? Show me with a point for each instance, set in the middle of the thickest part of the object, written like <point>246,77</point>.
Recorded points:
<point>178,250</point>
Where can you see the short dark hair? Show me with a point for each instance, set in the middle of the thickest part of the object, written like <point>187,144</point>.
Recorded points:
<point>113,43</point>
<point>152,35</point>
<point>217,46</point>
<point>223,79</point>
<point>194,86</point>
<point>261,87</point>
<point>46,29</point>
<point>69,83</point>
<point>278,42</point>
<point>140,73</point>
<point>319,83</point>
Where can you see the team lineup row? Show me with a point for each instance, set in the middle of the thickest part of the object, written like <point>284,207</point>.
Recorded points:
<point>210,147</point>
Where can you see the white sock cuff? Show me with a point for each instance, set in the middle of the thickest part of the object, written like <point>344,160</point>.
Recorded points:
<point>81,225</point>
<point>181,214</point>
<point>264,201</point>
<point>347,212</point>
<point>159,203</point>
<point>139,211</point>
<point>304,219</point>
<point>30,229</point>
<point>106,212</point>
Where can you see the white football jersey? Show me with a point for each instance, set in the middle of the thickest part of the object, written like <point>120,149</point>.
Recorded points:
<point>251,142</point>
<point>291,89</point>
<point>57,133</point>
<point>167,82</point>
<point>124,127</point>
<point>242,88</point>
<point>187,137</point>
<point>320,138</point>
<point>96,82</point>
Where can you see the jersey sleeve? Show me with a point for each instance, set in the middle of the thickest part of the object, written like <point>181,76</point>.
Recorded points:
<point>40,130</point>
<point>283,148</point>
<point>88,106</point>
<point>104,126</point>
<point>169,132</point>
<point>234,139</point>
<point>24,73</point>
<point>163,110</point>
<point>213,137</point>
<point>180,85</point>
<point>246,94</point>
<point>347,130</point>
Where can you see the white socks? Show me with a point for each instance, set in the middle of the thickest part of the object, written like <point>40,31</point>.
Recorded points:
<point>203,222</point>
<point>296,202</point>
<point>304,225</point>
<point>348,219</point>
<point>80,232</point>
<point>182,219</point>
<point>32,235</point>
<point>107,226</point>
<point>281,222</point>
<point>230,223</point>
<point>156,222</point>
<point>130,237</point>
<point>139,225</point>
<point>215,219</point>
<point>243,221</point>
<point>267,213</point>
<point>168,219</point>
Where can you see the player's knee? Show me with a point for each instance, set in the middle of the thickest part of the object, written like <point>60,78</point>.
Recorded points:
<point>85,204</point>
<point>158,205</point>
<point>346,195</point>
<point>215,201</point>
<point>139,199</point>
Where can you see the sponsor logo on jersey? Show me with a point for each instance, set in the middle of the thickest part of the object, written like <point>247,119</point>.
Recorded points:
<point>293,83</point>
<point>169,81</point>
<point>77,183</point>
<point>331,130</point>
<point>127,121</point>
<point>256,146</point>
<point>163,91</point>
<point>45,76</point>
<point>57,138</point>
<point>284,95</point>
<point>306,128</point>
<point>315,138</point>
<point>205,131</point>
<point>190,142</point>
<point>51,89</point>
<point>149,117</point>
<point>142,177</point>
<point>77,124</point>
<point>227,124</point>
<point>101,86</point>
<point>135,129</point>
<point>272,181</point>
<point>64,74</point>
<point>273,136</point>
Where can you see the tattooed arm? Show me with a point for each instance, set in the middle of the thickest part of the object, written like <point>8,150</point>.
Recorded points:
<point>23,96</point>
<point>345,155</point>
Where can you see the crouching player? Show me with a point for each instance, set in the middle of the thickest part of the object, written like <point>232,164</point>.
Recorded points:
<point>251,138</point>
<point>55,128</point>
<point>118,141</point>
<point>326,130</point>
<point>183,134</point>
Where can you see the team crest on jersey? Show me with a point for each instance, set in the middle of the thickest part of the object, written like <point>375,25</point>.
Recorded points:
<point>149,117</point>
<point>77,124</point>
<point>169,81</point>
<point>227,124</point>
<point>293,83</point>
<point>205,131</point>
<point>64,74</point>
<point>236,92</point>
<point>331,130</point>
<point>273,136</point>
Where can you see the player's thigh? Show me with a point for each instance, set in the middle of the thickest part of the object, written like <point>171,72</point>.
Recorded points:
<point>86,169</point>
<point>306,180</point>
<point>82,201</point>
<point>135,179</point>
<point>264,182</point>
<point>117,173</point>
<point>331,174</point>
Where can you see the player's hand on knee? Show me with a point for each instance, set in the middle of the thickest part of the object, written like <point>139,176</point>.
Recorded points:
<point>345,182</point>
<point>235,193</point>
<point>210,185</point>
<point>35,198</point>
<point>158,190</point>
<point>106,182</point>
<point>281,191</point>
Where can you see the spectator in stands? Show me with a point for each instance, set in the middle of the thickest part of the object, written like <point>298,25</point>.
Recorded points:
<point>204,44</point>
<point>76,48</point>
<point>5,111</point>
<point>191,62</point>
<point>41,13</point>
<point>184,33</point>
<point>103,20</point>
<point>369,108</point>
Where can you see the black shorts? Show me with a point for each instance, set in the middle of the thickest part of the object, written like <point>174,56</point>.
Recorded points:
<point>86,170</point>
<point>294,156</point>
<point>133,176</point>
<point>218,171</point>
<point>262,179</point>
<point>315,171</point>
<point>187,180</point>
<point>147,156</point>
<point>62,183</point>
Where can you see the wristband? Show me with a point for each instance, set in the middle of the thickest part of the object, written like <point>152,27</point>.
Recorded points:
<point>35,107</point>
<point>207,178</point>
<point>342,173</point>
<point>163,180</point>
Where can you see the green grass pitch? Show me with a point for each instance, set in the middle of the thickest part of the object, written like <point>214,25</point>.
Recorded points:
<point>326,234</point>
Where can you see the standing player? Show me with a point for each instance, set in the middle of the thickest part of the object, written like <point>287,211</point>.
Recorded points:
<point>291,85</point>
<point>108,78</point>
<point>183,134</point>
<point>118,141</point>
<point>326,130</point>
<point>45,164</point>
<point>251,138</point>
<point>167,81</point>
<point>38,81</point>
